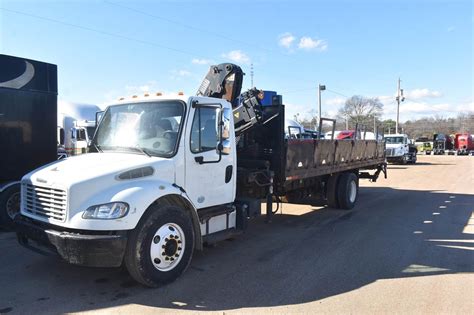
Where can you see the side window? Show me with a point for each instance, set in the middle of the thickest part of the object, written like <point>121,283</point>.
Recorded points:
<point>81,134</point>
<point>204,136</point>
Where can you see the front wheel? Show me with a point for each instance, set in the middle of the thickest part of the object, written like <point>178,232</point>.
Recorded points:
<point>160,248</point>
<point>9,205</point>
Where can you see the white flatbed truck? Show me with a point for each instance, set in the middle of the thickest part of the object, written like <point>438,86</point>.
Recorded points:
<point>170,174</point>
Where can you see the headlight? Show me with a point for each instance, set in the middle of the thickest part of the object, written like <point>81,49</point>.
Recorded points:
<point>107,211</point>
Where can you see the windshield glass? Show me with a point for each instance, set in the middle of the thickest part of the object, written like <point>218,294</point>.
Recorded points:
<point>150,127</point>
<point>394,140</point>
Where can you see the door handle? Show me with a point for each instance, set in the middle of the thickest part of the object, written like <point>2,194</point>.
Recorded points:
<point>228,173</point>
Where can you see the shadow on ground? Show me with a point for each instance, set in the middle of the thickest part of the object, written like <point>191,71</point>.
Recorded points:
<point>293,260</point>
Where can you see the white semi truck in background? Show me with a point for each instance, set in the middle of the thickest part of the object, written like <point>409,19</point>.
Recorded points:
<point>171,173</point>
<point>76,126</point>
<point>400,149</point>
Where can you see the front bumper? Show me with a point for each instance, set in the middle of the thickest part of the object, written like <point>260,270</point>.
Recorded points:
<point>76,247</point>
<point>392,159</point>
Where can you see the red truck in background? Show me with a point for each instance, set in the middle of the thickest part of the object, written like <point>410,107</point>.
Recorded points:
<point>463,143</point>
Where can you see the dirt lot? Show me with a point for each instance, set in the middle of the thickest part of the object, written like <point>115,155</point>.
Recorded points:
<point>407,247</point>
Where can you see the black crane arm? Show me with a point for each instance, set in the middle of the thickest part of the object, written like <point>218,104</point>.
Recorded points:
<point>225,81</point>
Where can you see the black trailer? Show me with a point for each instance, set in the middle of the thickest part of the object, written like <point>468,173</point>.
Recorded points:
<point>28,120</point>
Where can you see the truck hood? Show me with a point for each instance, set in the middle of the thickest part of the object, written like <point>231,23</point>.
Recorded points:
<point>84,167</point>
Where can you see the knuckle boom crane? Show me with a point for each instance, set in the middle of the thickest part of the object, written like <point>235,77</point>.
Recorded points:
<point>225,81</point>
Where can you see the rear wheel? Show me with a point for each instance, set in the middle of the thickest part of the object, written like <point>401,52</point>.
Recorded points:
<point>348,190</point>
<point>9,205</point>
<point>331,191</point>
<point>160,248</point>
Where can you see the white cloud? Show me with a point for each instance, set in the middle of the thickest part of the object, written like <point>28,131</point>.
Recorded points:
<point>197,61</point>
<point>336,101</point>
<point>308,43</point>
<point>237,56</point>
<point>418,94</point>
<point>286,40</point>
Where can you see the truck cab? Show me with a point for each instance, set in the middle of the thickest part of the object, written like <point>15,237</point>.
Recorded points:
<point>149,153</point>
<point>400,149</point>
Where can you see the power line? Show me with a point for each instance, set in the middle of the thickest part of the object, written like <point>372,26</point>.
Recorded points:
<point>191,27</point>
<point>332,91</point>
<point>86,28</point>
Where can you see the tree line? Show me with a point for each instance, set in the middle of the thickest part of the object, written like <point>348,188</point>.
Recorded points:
<point>367,112</point>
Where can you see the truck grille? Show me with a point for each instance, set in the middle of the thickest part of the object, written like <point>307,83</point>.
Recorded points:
<point>390,152</point>
<point>45,202</point>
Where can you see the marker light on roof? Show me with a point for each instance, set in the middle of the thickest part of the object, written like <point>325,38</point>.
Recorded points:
<point>180,93</point>
<point>146,94</point>
<point>158,94</point>
<point>134,96</point>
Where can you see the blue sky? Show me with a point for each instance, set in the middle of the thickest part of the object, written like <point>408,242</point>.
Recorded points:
<point>108,49</point>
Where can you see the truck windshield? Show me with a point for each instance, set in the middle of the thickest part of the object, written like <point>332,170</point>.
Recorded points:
<point>151,128</point>
<point>394,140</point>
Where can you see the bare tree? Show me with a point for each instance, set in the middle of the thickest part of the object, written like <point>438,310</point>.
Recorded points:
<point>361,110</point>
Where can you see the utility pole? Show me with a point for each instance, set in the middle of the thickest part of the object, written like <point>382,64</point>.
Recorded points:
<point>399,99</point>
<point>320,88</point>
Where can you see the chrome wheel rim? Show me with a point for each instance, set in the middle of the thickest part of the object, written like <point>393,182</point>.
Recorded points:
<point>353,191</point>
<point>167,247</point>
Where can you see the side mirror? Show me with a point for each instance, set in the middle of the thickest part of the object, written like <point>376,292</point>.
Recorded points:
<point>225,147</point>
<point>98,117</point>
<point>61,136</point>
<point>225,132</point>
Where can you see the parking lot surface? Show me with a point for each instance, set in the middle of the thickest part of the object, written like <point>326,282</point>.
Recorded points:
<point>407,247</point>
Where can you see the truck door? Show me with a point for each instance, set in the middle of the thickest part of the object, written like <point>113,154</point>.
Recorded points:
<point>210,172</point>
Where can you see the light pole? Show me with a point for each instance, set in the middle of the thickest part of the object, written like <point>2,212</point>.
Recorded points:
<point>320,88</point>
<point>399,99</point>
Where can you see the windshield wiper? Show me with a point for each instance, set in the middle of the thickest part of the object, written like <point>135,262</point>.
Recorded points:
<point>142,150</point>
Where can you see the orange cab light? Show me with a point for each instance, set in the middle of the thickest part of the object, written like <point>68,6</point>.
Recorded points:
<point>134,96</point>
<point>158,94</point>
<point>180,93</point>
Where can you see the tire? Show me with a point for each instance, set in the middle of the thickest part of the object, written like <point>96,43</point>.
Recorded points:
<point>9,205</point>
<point>161,246</point>
<point>348,191</point>
<point>332,190</point>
